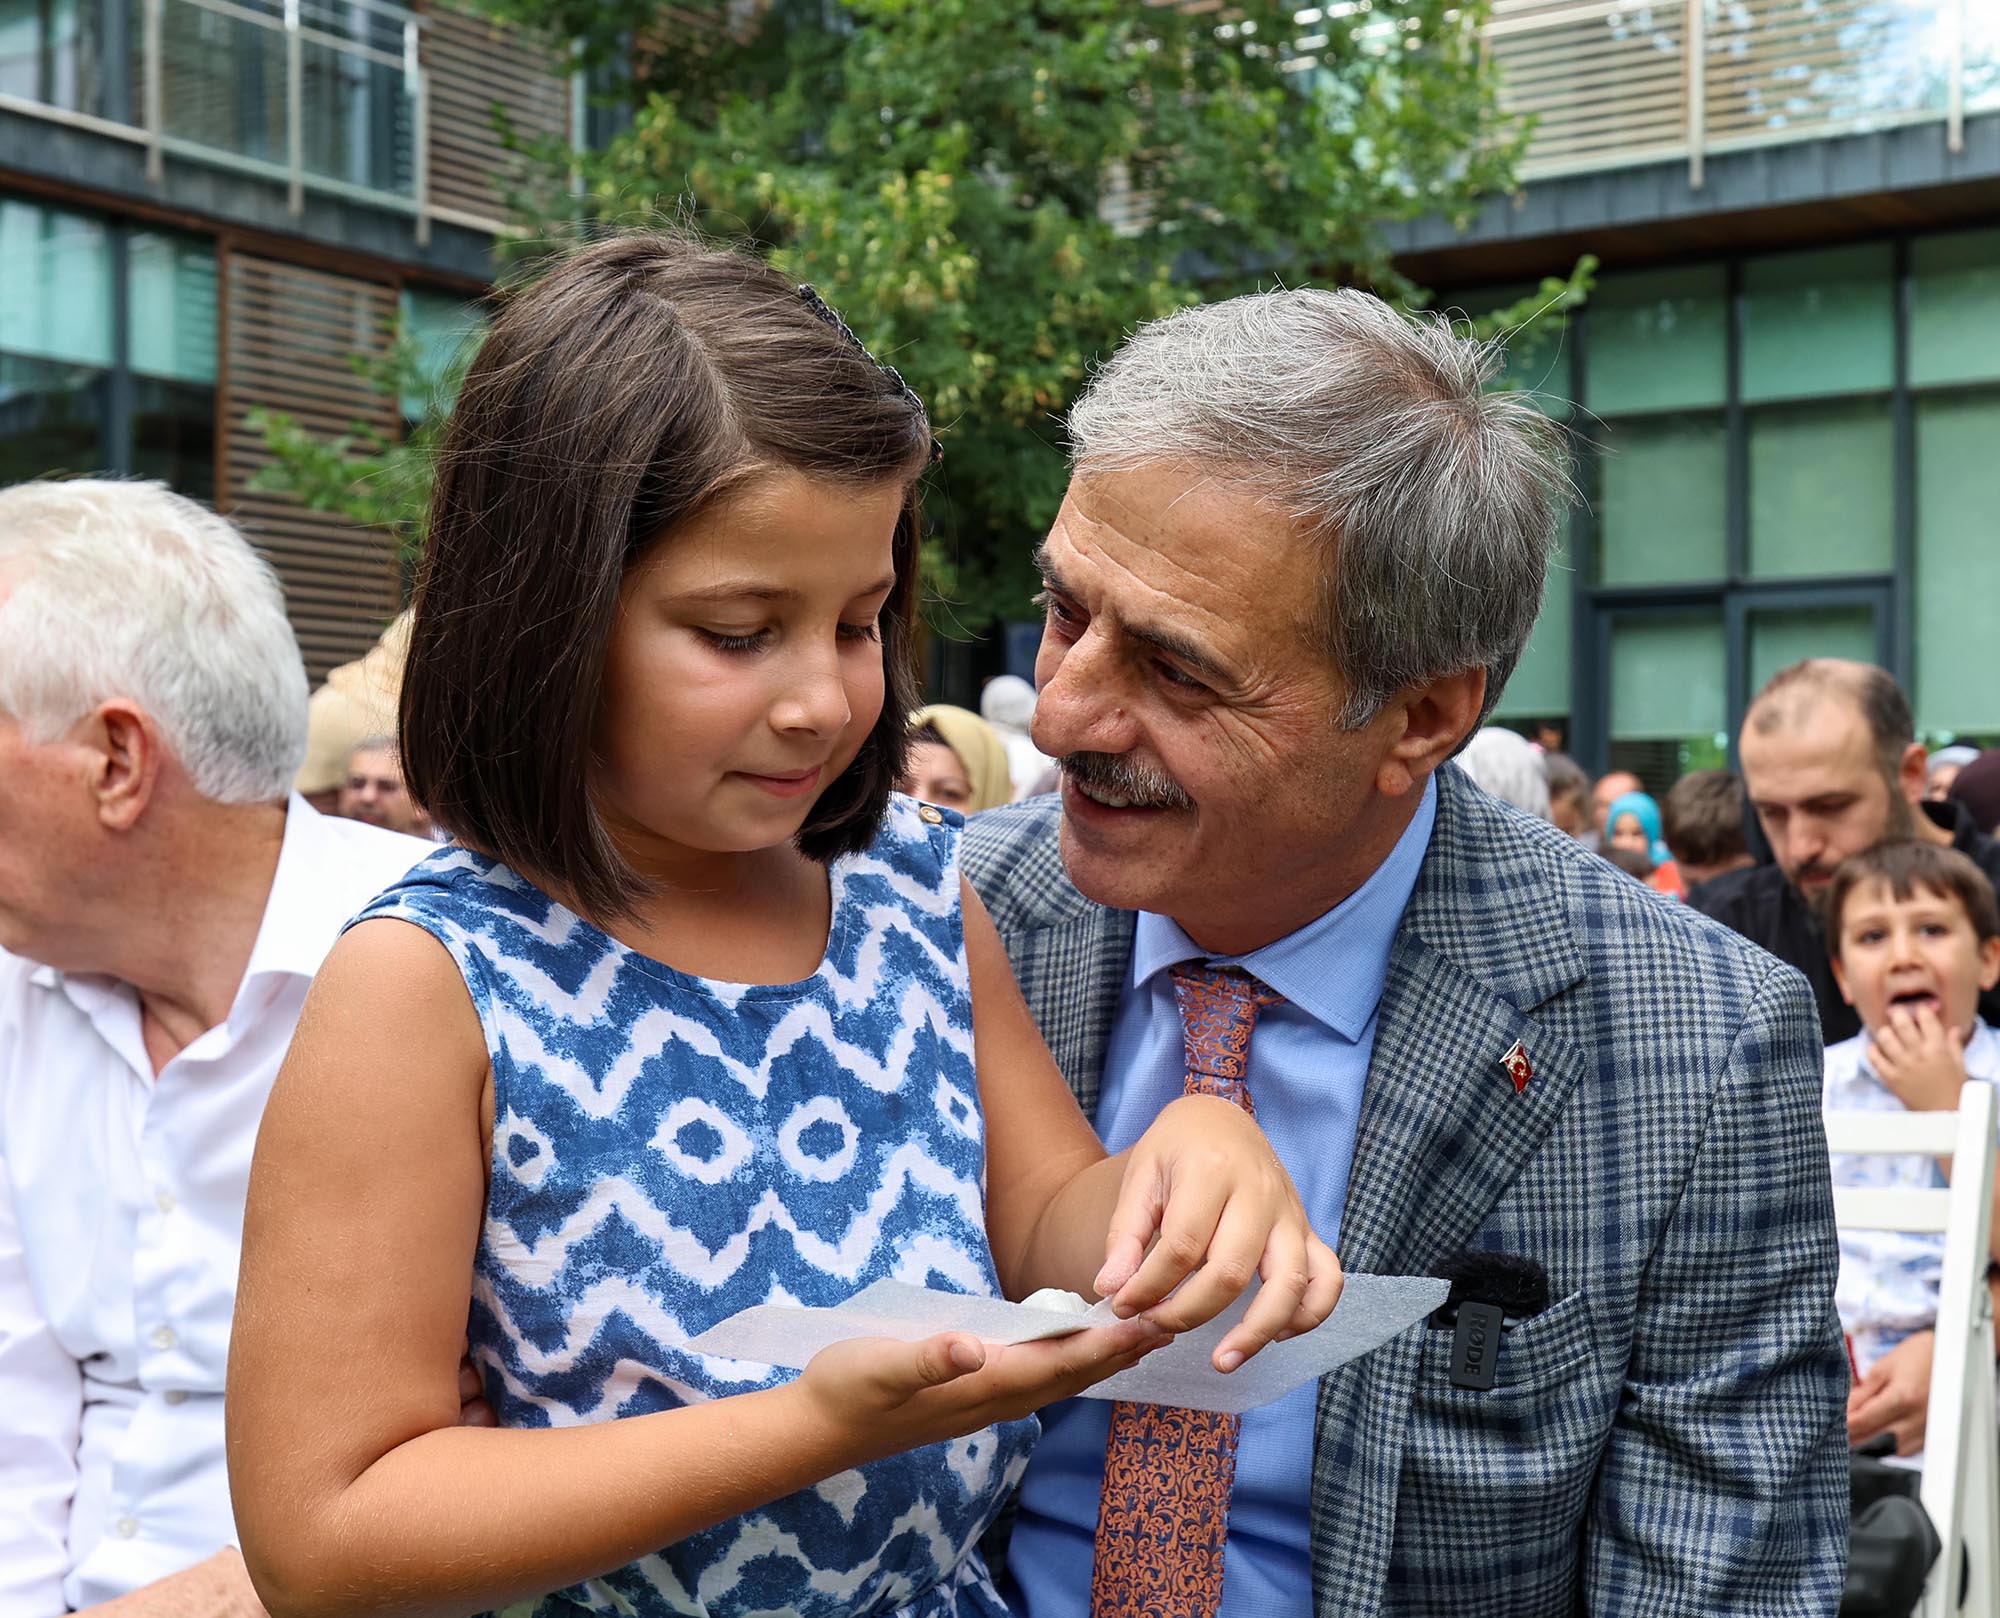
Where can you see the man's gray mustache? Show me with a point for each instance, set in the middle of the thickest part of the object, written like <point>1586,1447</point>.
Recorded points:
<point>1117,776</point>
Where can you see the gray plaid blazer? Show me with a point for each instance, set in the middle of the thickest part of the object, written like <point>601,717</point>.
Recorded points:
<point>1669,1436</point>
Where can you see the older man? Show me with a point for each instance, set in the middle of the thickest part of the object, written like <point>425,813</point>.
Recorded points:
<point>1831,766</point>
<point>165,906</point>
<point>373,789</point>
<point>1300,553</point>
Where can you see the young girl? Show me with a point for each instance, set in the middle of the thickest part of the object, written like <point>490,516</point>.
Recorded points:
<point>694,1016</point>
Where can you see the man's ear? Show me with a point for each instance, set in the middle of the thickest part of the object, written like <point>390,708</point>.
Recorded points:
<point>1429,722</point>
<point>126,752</point>
<point>1914,772</point>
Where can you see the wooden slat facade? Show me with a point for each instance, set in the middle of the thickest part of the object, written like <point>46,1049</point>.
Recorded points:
<point>288,333</point>
<point>1617,82</point>
<point>474,62</point>
<point>1604,82</point>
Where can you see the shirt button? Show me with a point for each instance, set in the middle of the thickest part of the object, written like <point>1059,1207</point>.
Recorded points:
<point>930,816</point>
<point>175,1396</point>
<point>164,1201</point>
<point>127,1527</point>
<point>164,1337</point>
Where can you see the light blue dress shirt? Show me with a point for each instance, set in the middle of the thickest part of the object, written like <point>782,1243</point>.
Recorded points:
<point>1308,1064</point>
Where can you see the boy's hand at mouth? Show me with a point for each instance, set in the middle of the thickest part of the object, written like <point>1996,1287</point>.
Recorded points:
<point>1920,1059</point>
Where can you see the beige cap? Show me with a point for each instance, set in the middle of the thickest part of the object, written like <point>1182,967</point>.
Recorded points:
<point>359,700</point>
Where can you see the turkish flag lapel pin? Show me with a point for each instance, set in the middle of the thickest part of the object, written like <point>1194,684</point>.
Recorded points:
<point>1518,1067</point>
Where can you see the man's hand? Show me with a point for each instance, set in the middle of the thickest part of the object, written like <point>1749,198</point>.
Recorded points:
<point>1894,1397</point>
<point>217,1588</point>
<point>1920,1059</point>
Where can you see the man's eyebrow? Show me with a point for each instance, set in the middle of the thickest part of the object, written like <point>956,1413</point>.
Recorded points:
<point>1176,645</point>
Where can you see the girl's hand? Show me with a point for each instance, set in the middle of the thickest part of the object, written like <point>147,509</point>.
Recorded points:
<point>877,1396</point>
<point>1206,1180</point>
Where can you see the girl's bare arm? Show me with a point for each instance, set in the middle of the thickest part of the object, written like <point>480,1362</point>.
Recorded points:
<point>355,1487</point>
<point>1199,1203</point>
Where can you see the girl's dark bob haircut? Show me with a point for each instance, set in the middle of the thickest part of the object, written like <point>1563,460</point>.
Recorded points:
<point>637,383</point>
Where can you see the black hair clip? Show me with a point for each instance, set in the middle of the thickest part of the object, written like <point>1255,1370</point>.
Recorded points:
<point>826,312</point>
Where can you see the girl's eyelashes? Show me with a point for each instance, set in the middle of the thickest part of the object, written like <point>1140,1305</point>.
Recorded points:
<point>754,640</point>
<point>724,642</point>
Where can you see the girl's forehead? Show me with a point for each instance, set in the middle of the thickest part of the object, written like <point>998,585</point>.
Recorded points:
<point>783,533</point>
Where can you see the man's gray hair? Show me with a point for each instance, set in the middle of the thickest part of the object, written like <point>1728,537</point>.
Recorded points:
<point>1434,501</point>
<point>125,589</point>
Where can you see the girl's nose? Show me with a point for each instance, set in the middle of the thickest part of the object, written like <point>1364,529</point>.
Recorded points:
<point>814,699</point>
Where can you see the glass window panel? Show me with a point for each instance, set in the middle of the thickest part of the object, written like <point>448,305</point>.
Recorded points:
<point>1955,308</point>
<point>52,51</point>
<point>1540,685</point>
<point>1821,489</point>
<point>1782,636</point>
<point>55,284</point>
<point>1818,323</point>
<point>223,82</point>
<point>173,307</point>
<point>444,331</point>
<point>1662,493</point>
<point>356,118</point>
<point>1958,561</point>
<point>173,435</point>
<point>1658,341</point>
<point>1668,674</point>
<point>51,419</point>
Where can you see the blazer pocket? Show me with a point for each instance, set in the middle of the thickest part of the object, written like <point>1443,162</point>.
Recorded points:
<point>1514,1463</point>
<point>1536,1354</point>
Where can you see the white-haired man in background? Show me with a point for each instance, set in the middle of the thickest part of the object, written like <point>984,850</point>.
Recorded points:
<point>164,902</point>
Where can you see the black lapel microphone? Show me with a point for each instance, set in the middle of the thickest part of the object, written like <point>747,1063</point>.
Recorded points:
<point>1486,1288</point>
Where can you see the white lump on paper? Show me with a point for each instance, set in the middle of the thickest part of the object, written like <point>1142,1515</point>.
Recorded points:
<point>1372,1309</point>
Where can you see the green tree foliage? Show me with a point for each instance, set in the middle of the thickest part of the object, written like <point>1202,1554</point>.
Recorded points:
<point>372,477</point>
<point>993,192</point>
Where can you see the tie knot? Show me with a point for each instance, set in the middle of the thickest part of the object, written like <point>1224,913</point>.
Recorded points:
<point>1219,1007</point>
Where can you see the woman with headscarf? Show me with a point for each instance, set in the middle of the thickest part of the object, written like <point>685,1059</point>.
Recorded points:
<point>1634,823</point>
<point>957,761</point>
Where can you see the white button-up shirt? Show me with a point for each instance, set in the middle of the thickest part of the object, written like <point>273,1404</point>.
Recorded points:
<point>1889,1279</point>
<point>121,1220</point>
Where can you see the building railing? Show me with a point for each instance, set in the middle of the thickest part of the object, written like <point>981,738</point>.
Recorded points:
<point>329,97</point>
<point>1614,83</point>
<point>326,94</point>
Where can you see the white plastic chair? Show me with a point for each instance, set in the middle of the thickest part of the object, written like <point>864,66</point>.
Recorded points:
<point>1961,1487</point>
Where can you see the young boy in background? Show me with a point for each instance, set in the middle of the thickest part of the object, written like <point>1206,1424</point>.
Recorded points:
<point>1915,934</point>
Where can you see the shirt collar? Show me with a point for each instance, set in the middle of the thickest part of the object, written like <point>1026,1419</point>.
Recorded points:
<point>1333,968</point>
<point>308,902</point>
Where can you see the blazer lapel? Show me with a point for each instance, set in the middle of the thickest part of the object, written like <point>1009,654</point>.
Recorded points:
<point>1078,968</point>
<point>1069,953</point>
<point>1444,1130</point>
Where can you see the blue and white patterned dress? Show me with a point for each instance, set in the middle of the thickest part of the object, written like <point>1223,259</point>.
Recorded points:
<point>669,1150</point>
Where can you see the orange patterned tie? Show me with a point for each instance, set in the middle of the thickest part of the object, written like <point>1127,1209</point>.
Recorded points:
<point>1164,1514</point>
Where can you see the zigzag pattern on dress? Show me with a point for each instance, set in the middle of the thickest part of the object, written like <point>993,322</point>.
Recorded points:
<point>670,1150</point>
